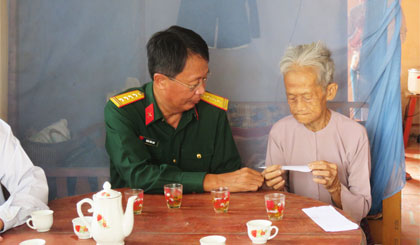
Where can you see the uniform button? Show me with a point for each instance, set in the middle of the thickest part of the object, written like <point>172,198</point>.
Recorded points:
<point>198,156</point>
<point>174,160</point>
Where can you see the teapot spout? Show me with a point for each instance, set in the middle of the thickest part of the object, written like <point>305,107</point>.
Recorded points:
<point>128,220</point>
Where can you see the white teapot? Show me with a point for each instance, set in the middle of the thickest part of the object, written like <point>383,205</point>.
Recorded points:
<point>109,224</point>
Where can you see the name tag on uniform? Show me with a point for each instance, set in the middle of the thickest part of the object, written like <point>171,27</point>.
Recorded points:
<point>149,141</point>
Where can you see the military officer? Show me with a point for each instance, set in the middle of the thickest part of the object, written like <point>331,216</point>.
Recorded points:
<point>171,130</point>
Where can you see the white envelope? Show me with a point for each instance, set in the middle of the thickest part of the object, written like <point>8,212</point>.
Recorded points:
<point>299,168</point>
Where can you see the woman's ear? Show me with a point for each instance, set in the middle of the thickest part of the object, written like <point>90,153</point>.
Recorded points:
<point>159,80</point>
<point>331,91</point>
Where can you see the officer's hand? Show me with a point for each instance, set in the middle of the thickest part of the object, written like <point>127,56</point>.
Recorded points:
<point>325,173</point>
<point>1,238</point>
<point>274,177</point>
<point>244,179</point>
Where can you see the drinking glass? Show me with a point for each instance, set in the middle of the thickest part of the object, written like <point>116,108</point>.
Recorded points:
<point>173,195</point>
<point>138,203</point>
<point>220,197</point>
<point>274,204</point>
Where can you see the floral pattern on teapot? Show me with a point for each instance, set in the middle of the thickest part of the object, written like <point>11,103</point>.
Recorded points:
<point>105,194</point>
<point>101,221</point>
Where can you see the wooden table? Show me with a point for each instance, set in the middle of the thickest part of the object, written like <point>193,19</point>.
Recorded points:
<point>196,218</point>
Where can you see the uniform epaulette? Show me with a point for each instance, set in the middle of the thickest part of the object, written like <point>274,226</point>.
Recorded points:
<point>127,98</point>
<point>215,100</point>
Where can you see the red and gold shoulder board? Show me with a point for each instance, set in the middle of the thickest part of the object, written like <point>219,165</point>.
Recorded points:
<point>215,100</point>
<point>127,98</point>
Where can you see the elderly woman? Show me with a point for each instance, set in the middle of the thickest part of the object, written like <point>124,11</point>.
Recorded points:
<point>334,147</point>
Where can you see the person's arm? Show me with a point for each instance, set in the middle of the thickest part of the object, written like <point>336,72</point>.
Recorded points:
<point>26,183</point>
<point>355,196</point>
<point>241,180</point>
<point>226,163</point>
<point>275,177</point>
<point>354,199</point>
<point>326,174</point>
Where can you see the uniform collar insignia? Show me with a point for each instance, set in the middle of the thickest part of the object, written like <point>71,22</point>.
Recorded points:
<point>150,114</point>
<point>196,112</point>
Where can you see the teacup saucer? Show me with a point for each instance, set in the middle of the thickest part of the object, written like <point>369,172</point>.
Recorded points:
<point>207,240</point>
<point>33,242</point>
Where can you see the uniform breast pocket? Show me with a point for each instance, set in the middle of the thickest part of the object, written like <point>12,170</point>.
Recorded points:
<point>196,160</point>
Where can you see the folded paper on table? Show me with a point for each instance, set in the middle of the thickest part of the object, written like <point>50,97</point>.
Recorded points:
<point>329,219</point>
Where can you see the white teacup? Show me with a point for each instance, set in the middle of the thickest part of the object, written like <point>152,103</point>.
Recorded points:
<point>42,220</point>
<point>33,242</point>
<point>213,240</point>
<point>259,230</point>
<point>80,228</point>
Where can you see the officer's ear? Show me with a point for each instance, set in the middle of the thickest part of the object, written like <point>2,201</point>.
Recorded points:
<point>332,91</point>
<point>160,80</point>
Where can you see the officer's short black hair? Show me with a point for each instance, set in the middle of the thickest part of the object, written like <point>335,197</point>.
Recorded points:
<point>168,50</point>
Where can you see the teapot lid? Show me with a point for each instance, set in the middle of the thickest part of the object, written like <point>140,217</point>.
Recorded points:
<point>107,192</point>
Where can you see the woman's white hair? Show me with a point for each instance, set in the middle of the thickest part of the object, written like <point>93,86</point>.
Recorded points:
<point>315,55</point>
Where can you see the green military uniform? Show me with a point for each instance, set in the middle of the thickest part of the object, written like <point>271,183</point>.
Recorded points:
<point>146,152</point>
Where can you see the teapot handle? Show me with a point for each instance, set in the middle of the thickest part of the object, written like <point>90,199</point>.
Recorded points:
<point>80,213</point>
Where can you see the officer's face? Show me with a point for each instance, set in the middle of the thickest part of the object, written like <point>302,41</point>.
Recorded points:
<point>183,97</point>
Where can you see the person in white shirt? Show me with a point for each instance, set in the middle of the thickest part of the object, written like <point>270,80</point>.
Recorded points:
<point>25,182</point>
